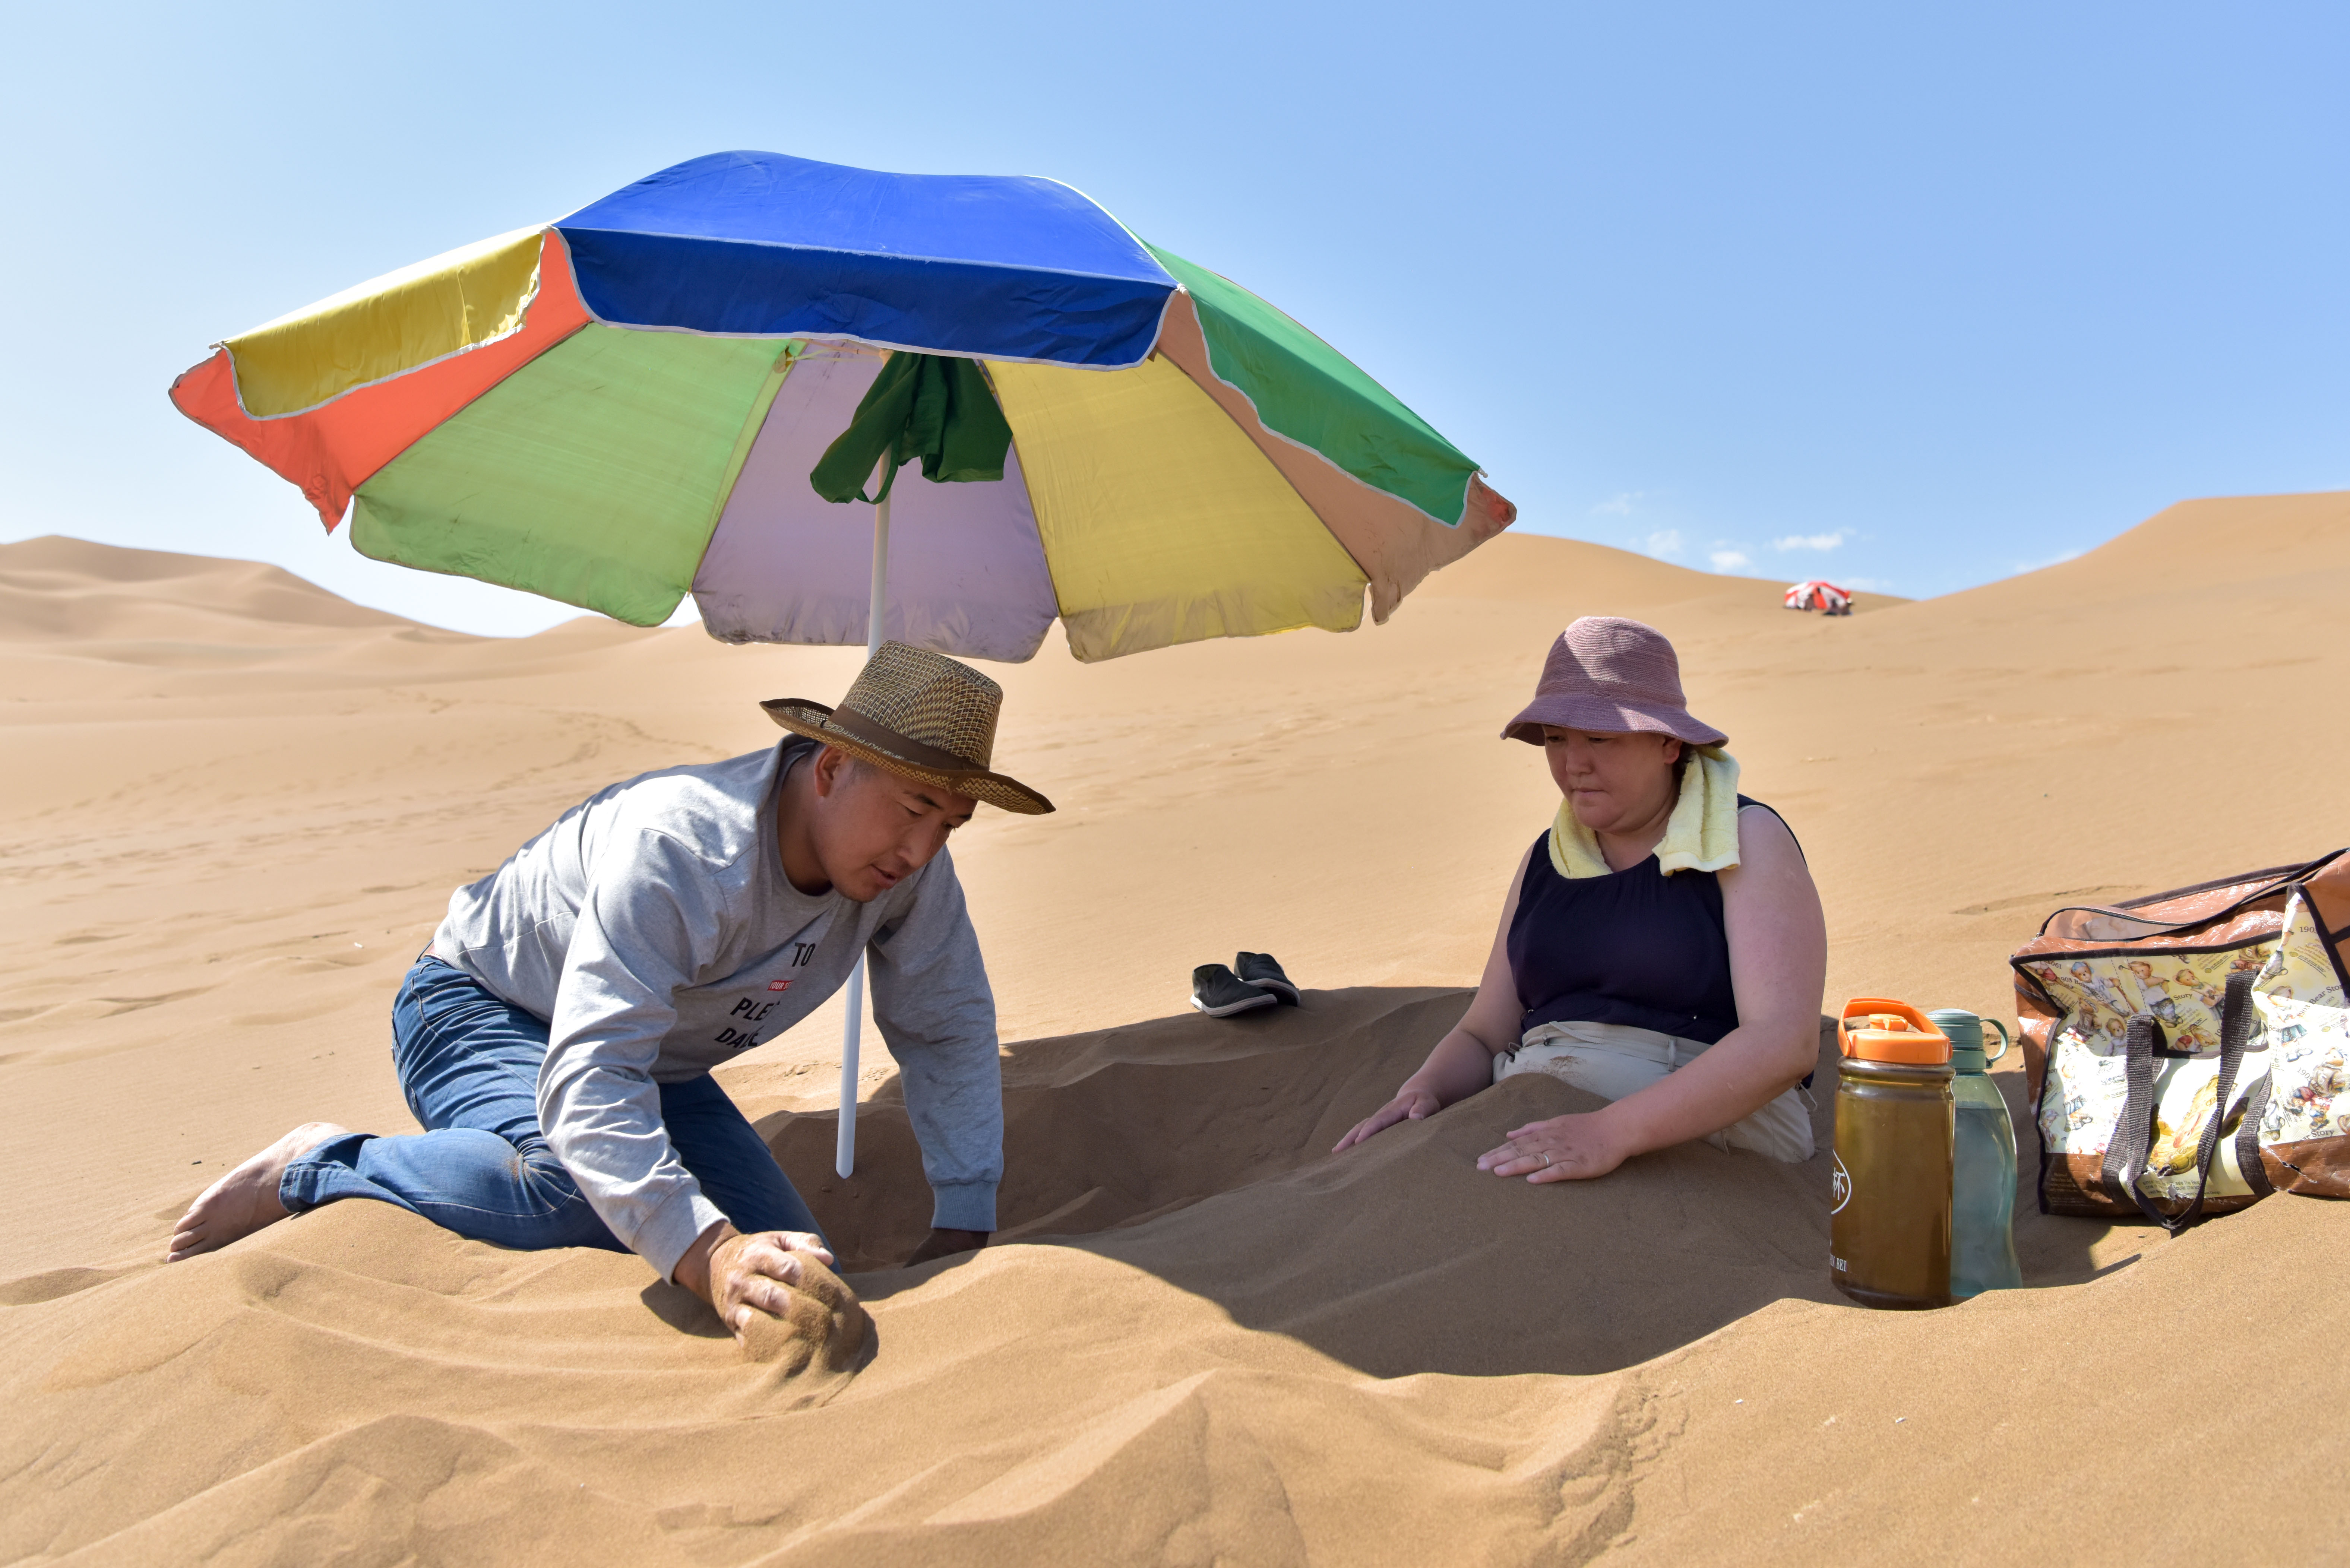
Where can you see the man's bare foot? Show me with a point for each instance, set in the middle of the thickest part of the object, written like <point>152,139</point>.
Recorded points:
<point>246,1200</point>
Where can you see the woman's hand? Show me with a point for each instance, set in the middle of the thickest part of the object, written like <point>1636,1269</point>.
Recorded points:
<point>1564,1149</point>
<point>1410,1103</point>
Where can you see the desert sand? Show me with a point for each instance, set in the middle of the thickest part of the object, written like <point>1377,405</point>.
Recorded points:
<point>234,805</point>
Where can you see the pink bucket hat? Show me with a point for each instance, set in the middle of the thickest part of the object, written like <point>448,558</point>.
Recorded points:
<point>1611,676</point>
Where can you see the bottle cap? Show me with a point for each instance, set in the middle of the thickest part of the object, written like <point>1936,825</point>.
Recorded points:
<point>1879,1029</point>
<point>1970,1050</point>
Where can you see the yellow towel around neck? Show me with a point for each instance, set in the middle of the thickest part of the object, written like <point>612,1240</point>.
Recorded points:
<point>1701,836</point>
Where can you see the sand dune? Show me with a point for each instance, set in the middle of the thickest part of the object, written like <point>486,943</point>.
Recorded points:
<point>235,804</point>
<point>70,591</point>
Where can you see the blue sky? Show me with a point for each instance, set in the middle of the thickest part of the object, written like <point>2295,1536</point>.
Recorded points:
<point>1914,296</point>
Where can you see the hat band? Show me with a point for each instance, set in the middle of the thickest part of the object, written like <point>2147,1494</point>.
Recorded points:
<point>856,726</point>
<point>1626,692</point>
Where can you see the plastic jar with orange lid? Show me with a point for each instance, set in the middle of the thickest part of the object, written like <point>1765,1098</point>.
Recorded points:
<point>1896,1135</point>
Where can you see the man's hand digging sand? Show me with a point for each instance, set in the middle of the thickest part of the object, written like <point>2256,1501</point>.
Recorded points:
<point>739,1275</point>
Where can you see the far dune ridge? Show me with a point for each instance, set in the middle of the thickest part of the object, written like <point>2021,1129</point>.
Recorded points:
<point>69,590</point>
<point>237,805</point>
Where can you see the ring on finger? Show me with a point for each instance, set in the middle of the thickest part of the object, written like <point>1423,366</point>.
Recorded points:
<point>1545,1162</point>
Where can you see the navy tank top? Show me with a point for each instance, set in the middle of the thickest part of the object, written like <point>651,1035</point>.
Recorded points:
<point>1634,947</point>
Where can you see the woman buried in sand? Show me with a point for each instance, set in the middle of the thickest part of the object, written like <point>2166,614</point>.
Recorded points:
<point>1661,946</point>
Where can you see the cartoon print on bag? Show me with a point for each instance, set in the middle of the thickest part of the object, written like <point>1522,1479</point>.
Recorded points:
<point>2211,996</point>
<point>2099,986</point>
<point>2154,992</point>
<point>2177,1144</point>
<point>2307,1029</point>
<point>2086,1087</point>
<point>2307,1110</point>
<point>2187,1000</point>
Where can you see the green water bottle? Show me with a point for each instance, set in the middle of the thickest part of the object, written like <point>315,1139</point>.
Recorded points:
<point>1982,1167</point>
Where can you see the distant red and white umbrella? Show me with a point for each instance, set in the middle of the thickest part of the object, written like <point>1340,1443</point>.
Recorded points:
<point>1816,594</point>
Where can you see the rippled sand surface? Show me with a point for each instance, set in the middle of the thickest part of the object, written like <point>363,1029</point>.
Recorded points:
<point>234,807</point>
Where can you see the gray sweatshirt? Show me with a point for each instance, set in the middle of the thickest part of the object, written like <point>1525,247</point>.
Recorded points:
<point>653,927</point>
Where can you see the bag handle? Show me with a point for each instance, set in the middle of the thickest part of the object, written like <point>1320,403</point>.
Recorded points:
<point>2125,1152</point>
<point>2235,1032</point>
<point>2248,1139</point>
<point>2133,1138</point>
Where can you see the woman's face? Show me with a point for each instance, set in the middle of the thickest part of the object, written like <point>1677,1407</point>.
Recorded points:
<point>1616,783</point>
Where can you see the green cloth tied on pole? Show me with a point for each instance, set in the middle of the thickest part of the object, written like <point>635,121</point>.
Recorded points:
<point>929,406</point>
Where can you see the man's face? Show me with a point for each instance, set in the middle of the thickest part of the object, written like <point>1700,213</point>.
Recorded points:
<point>872,829</point>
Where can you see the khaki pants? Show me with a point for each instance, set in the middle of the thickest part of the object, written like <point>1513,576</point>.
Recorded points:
<point>1613,1060</point>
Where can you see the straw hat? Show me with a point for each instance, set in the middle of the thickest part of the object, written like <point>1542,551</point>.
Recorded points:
<point>1608,676</point>
<point>919,715</point>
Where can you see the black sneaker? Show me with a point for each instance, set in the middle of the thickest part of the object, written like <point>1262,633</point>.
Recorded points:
<point>1219,992</point>
<point>1263,971</point>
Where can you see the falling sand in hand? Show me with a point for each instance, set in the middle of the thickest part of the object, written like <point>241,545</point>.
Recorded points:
<point>825,1330</point>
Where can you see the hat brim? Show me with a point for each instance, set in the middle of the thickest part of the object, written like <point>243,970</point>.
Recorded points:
<point>814,719</point>
<point>1600,716</point>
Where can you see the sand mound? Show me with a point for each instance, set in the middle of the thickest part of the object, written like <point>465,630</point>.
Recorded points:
<point>2266,544</point>
<point>1288,1272</point>
<point>1196,1149</point>
<point>56,589</point>
<point>1202,1338</point>
<point>1260,1369</point>
<point>1532,569</point>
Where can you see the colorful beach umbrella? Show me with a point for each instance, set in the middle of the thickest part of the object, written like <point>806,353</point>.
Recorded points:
<point>624,406</point>
<point>1813,594</point>
<point>628,404</point>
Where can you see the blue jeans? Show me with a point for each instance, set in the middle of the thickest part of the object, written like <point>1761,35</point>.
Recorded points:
<point>468,1065</point>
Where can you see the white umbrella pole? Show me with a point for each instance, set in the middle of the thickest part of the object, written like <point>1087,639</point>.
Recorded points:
<point>844,1157</point>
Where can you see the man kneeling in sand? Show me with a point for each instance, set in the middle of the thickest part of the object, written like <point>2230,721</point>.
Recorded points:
<point>556,1037</point>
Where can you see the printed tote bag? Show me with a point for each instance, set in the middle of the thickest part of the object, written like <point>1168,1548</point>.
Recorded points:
<point>2186,1051</point>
